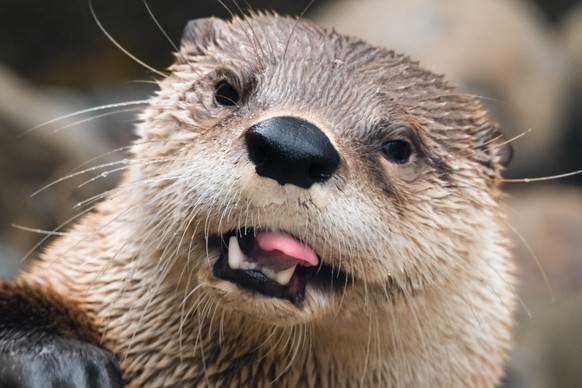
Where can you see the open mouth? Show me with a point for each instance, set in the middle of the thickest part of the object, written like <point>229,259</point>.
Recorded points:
<point>275,264</point>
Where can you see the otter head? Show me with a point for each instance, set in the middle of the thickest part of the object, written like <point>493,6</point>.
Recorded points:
<point>294,175</point>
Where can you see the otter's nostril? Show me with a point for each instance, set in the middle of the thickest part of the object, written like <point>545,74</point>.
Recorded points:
<point>319,173</point>
<point>256,153</point>
<point>291,150</point>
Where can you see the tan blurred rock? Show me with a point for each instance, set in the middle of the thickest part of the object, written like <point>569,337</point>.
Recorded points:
<point>548,244</point>
<point>549,220</point>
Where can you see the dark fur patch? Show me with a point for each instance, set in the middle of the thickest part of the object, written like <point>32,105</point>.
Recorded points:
<point>46,342</point>
<point>26,307</point>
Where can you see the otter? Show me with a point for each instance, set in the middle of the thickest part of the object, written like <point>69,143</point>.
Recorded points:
<point>300,209</point>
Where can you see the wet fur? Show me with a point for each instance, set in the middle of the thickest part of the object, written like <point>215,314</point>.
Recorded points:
<point>431,294</point>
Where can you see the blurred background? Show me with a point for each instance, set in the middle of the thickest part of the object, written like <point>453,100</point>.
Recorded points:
<point>523,57</point>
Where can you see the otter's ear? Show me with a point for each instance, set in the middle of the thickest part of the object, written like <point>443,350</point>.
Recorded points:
<point>503,153</point>
<point>201,33</point>
<point>495,149</point>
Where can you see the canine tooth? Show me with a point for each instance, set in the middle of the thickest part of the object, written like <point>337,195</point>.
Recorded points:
<point>235,256</point>
<point>283,277</point>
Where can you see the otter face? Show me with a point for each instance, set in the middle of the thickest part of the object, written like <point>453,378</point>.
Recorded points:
<point>305,175</point>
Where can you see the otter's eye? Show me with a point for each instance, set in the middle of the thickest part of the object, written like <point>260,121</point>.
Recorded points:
<point>397,151</point>
<point>225,94</point>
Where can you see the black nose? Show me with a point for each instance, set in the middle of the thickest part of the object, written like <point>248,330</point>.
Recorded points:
<point>291,150</point>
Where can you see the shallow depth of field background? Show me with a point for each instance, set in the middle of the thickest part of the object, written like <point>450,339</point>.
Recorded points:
<point>524,58</point>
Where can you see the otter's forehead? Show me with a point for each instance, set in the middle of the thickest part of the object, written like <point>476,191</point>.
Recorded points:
<point>286,54</point>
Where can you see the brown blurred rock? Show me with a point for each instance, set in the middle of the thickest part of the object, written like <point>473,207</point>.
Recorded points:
<point>572,34</point>
<point>31,159</point>
<point>572,31</point>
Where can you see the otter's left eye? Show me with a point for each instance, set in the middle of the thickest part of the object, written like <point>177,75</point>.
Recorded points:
<point>397,151</point>
<point>225,94</point>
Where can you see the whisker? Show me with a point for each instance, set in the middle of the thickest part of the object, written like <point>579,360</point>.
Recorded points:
<point>226,7</point>
<point>105,174</point>
<point>59,227</point>
<point>94,118</point>
<point>85,111</point>
<point>537,261</point>
<point>166,36</point>
<point>130,184</point>
<point>130,162</point>
<point>292,354</point>
<point>295,27</point>
<point>516,137</point>
<point>251,37</point>
<point>119,46</point>
<point>541,179</point>
<point>367,356</point>
<point>39,231</point>
<point>162,30</point>
<point>73,175</point>
<point>104,156</point>
<point>111,194</point>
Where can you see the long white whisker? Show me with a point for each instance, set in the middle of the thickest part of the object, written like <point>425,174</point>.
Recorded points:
<point>120,47</point>
<point>88,110</point>
<point>542,179</point>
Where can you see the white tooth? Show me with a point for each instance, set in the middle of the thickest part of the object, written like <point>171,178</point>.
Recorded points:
<point>248,266</point>
<point>235,256</point>
<point>283,277</point>
<point>238,260</point>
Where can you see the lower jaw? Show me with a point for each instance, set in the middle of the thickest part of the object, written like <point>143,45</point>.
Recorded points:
<point>238,308</point>
<point>251,282</point>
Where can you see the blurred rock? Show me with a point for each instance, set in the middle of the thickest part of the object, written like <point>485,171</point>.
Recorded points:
<point>8,260</point>
<point>572,35</point>
<point>572,31</point>
<point>23,106</point>
<point>31,159</point>
<point>556,9</point>
<point>501,50</point>
<point>548,218</point>
<point>548,245</point>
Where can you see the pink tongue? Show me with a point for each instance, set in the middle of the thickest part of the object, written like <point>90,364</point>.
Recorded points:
<point>288,245</point>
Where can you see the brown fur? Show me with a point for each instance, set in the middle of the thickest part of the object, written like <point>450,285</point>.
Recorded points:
<point>25,306</point>
<point>430,297</point>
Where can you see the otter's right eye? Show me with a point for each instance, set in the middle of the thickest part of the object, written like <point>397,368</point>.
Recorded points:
<point>225,94</point>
